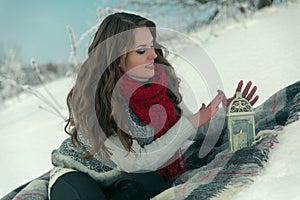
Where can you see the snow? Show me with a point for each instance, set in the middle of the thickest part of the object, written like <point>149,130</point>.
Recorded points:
<point>281,178</point>
<point>28,135</point>
<point>264,48</point>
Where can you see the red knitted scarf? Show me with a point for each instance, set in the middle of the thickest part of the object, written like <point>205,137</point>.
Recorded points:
<point>151,104</point>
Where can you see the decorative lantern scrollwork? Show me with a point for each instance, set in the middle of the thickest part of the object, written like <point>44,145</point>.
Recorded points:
<point>241,124</point>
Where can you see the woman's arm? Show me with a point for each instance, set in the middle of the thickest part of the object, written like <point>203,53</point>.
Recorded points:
<point>152,156</point>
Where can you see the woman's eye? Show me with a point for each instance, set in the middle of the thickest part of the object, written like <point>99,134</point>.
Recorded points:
<point>140,51</point>
<point>143,50</point>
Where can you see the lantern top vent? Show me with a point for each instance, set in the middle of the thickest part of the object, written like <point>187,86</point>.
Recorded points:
<point>239,105</point>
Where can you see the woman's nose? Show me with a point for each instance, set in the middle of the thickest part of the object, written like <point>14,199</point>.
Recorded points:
<point>152,54</point>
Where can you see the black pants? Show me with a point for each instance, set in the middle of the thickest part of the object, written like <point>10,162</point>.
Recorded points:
<point>75,186</point>
<point>79,186</point>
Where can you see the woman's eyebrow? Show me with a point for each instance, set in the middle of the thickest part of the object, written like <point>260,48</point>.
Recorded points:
<point>144,45</point>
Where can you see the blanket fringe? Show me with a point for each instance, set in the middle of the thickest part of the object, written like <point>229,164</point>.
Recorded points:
<point>227,174</point>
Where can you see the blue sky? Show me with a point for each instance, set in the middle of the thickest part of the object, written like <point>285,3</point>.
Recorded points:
<point>37,28</point>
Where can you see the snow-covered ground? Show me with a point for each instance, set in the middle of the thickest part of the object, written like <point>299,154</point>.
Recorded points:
<point>264,49</point>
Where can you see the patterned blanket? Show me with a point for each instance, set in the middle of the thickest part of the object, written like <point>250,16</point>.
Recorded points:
<point>226,175</point>
<point>229,172</point>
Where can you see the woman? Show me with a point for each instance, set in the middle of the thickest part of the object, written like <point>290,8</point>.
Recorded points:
<point>127,122</point>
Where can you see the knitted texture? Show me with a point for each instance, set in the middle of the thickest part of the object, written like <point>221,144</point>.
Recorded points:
<point>152,105</point>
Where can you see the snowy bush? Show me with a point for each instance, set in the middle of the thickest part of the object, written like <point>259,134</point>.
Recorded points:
<point>14,76</point>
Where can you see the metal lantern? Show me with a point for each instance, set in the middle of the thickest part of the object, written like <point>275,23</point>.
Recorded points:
<point>241,124</point>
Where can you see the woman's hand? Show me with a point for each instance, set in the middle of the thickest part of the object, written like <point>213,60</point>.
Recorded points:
<point>245,94</point>
<point>205,113</point>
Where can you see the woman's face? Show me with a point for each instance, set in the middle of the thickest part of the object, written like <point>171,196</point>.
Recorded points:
<point>139,62</point>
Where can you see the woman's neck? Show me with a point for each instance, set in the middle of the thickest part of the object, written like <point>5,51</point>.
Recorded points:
<point>142,80</point>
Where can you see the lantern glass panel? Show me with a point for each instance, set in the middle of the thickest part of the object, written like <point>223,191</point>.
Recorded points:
<point>242,133</point>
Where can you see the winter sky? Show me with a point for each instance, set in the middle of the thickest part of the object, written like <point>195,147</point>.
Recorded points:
<point>37,28</point>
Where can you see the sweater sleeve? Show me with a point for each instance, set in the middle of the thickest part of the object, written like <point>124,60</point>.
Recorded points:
<point>152,156</point>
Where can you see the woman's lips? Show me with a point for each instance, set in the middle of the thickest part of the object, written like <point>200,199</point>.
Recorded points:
<point>150,66</point>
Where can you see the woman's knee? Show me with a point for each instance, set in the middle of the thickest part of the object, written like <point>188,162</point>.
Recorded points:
<point>76,185</point>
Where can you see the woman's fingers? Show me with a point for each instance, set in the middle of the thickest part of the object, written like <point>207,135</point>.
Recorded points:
<point>225,101</point>
<point>239,87</point>
<point>214,105</point>
<point>245,94</point>
<point>217,100</point>
<point>205,113</point>
<point>247,88</point>
<point>220,92</point>
<point>254,100</point>
<point>251,94</point>
<point>203,106</point>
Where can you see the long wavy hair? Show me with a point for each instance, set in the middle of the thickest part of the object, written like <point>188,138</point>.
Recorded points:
<point>93,110</point>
